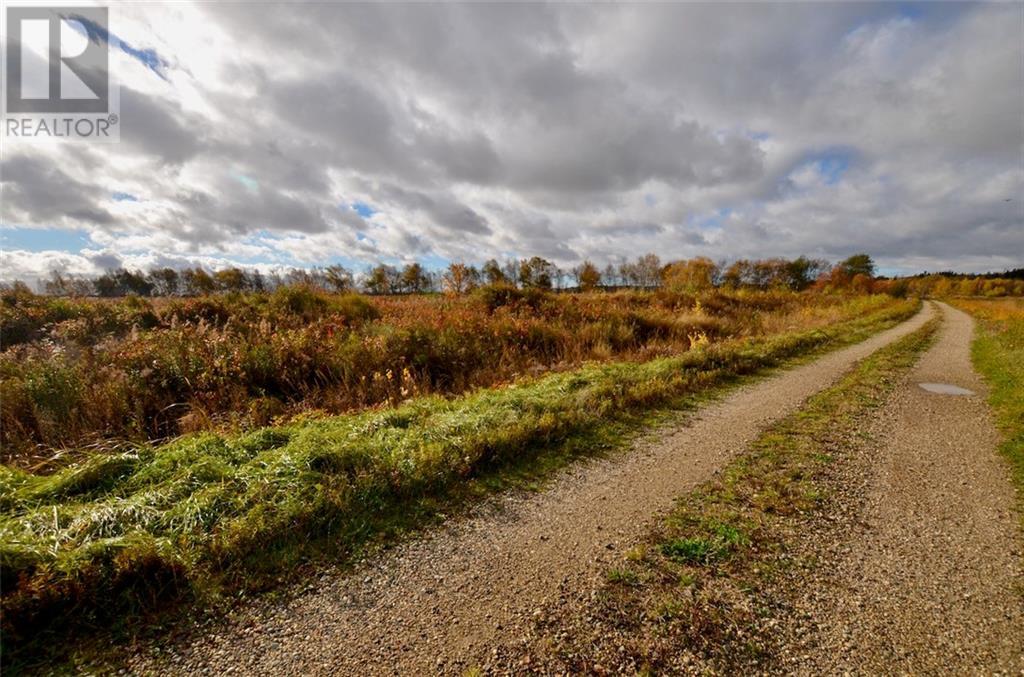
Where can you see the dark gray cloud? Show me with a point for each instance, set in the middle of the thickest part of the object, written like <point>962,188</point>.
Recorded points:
<point>159,129</point>
<point>35,190</point>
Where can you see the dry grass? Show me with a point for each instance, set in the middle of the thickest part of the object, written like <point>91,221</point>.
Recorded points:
<point>90,374</point>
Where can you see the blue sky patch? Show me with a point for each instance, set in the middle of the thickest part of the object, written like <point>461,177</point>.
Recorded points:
<point>44,239</point>
<point>124,197</point>
<point>96,33</point>
<point>434,262</point>
<point>833,164</point>
<point>710,221</point>
<point>364,210</point>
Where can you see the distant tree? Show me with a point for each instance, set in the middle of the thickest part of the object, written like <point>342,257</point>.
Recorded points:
<point>106,285</point>
<point>165,281</point>
<point>15,289</point>
<point>377,280</point>
<point>537,272</point>
<point>434,279</point>
<point>629,274</point>
<point>338,278</point>
<point>858,264</point>
<point>648,270</point>
<point>587,276</point>
<point>525,273</point>
<point>861,283</point>
<point>610,277</point>
<point>560,276</point>
<point>274,280</point>
<point>300,277</point>
<point>738,274</point>
<point>394,276</point>
<point>196,281</point>
<point>256,281</point>
<point>318,278</point>
<point>460,278</point>
<point>79,286</point>
<point>120,282</point>
<point>801,272</point>
<point>414,279</point>
<point>943,287</point>
<point>383,279</point>
<point>231,279</point>
<point>135,282</point>
<point>56,284</point>
<point>511,271</point>
<point>774,273</point>
<point>697,274</point>
<point>835,279</point>
<point>766,273</point>
<point>493,274</point>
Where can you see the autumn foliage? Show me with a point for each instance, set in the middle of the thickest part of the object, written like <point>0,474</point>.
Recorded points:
<point>80,372</point>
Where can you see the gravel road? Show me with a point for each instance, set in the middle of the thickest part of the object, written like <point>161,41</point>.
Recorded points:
<point>437,604</point>
<point>930,580</point>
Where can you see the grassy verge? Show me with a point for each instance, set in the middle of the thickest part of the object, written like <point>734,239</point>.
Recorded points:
<point>209,516</point>
<point>998,353</point>
<point>695,597</point>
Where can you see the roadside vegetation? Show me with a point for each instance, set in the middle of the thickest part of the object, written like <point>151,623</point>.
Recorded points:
<point>998,353</point>
<point>702,594</point>
<point>1009,283</point>
<point>213,514</point>
<point>84,376</point>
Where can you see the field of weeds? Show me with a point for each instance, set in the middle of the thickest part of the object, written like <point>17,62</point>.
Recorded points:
<point>81,375</point>
<point>107,533</point>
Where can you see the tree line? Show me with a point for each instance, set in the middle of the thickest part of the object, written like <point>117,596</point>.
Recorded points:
<point>646,271</point>
<point>855,273</point>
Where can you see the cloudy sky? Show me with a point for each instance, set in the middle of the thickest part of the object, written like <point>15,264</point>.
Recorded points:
<point>294,135</point>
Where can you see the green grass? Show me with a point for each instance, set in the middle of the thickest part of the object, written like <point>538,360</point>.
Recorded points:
<point>696,582</point>
<point>623,577</point>
<point>998,353</point>
<point>717,543</point>
<point>210,516</point>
